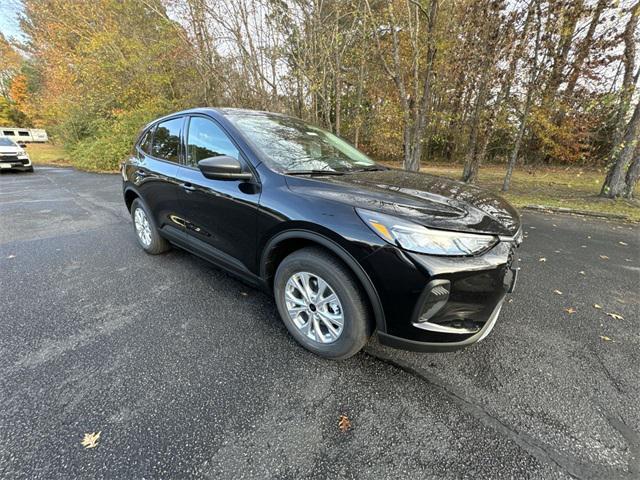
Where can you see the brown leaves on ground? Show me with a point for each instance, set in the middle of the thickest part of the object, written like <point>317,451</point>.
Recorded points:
<point>605,338</point>
<point>570,310</point>
<point>615,316</point>
<point>344,424</point>
<point>90,440</point>
<point>604,257</point>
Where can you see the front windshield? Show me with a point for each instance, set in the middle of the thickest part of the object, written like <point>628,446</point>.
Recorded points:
<point>7,142</point>
<point>291,145</point>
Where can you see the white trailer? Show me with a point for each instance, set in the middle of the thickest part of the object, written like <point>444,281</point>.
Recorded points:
<point>24,135</point>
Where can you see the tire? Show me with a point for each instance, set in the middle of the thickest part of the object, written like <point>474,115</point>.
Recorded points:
<point>29,170</point>
<point>356,328</point>
<point>151,242</point>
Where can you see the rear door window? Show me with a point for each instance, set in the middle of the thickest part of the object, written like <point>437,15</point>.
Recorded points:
<point>166,140</point>
<point>145,141</point>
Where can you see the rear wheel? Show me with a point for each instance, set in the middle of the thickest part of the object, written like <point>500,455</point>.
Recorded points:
<point>322,304</point>
<point>146,231</point>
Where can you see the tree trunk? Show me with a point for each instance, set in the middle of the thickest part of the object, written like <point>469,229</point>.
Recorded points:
<point>614,184</point>
<point>628,82</point>
<point>516,148</point>
<point>632,174</point>
<point>583,50</point>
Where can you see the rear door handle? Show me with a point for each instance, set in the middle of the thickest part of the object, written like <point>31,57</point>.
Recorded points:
<point>188,187</point>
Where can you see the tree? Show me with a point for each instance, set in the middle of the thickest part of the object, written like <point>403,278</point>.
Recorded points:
<point>414,95</point>
<point>625,134</point>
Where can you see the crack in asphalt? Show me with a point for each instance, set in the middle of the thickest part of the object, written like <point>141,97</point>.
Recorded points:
<point>541,452</point>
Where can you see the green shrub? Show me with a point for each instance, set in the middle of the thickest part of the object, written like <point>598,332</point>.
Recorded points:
<point>112,139</point>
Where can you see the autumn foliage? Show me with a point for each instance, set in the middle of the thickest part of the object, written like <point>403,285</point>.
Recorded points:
<point>413,81</point>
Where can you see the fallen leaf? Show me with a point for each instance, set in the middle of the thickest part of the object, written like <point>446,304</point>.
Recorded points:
<point>628,260</point>
<point>570,310</point>
<point>90,440</point>
<point>599,307</point>
<point>582,272</point>
<point>244,294</point>
<point>604,257</point>
<point>532,228</point>
<point>553,224</point>
<point>344,423</point>
<point>623,243</point>
<point>588,236</point>
<point>605,338</point>
<point>556,251</point>
<point>542,259</point>
<point>615,316</point>
<point>510,300</point>
<point>557,292</point>
<point>11,256</point>
<point>583,246</point>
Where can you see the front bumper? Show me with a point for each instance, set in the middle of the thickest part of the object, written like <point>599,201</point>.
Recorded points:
<point>440,303</point>
<point>416,346</point>
<point>15,163</point>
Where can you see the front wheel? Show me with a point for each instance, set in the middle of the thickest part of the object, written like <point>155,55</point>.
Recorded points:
<point>146,231</point>
<point>322,304</point>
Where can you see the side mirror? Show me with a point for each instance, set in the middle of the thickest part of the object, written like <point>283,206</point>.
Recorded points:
<point>223,167</point>
<point>22,145</point>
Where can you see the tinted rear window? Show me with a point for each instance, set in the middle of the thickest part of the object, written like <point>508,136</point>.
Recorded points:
<point>145,141</point>
<point>166,140</point>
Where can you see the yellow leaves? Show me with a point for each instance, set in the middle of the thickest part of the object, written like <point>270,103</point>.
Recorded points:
<point>605,338</point>
<point>570,310</point>
<point>615,316</point>
<point>90,440</point>
<point>604,257</point>
<point>344,424</point>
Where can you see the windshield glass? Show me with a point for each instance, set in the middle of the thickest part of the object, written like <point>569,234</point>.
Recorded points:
<point>291,145</point>
<point>7,142</point>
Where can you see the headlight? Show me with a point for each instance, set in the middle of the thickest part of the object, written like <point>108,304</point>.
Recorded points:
<point>416,238</point>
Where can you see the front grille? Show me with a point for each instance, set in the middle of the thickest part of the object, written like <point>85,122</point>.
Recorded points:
<point>9,158</point>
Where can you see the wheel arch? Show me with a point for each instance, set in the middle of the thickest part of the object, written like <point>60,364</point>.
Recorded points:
<point>130,194</point>
<point>284,243</point>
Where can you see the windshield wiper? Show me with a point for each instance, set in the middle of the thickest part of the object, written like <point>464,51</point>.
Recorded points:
<point>313,172</point>
<point>373,168</point>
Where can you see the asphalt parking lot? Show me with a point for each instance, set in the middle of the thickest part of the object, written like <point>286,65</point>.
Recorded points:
<point>187,372</point>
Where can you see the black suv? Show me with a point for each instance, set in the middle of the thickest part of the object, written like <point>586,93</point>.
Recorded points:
<point>347,246</point>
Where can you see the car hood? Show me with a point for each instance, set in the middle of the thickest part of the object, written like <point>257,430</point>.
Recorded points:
<point>425,199</point>
<point>12,150</point>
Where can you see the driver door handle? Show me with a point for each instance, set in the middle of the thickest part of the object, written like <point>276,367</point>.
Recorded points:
<point>188,187</point>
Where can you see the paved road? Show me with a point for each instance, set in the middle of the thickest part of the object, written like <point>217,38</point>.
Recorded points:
<point>189,373</point>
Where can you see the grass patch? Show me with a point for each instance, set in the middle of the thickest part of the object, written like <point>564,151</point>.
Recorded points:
<point>567,187</point>
<point>48,154</point>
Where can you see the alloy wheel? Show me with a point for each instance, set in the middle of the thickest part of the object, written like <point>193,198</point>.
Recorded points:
<point>314,307</point>
<point>143,228</point>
